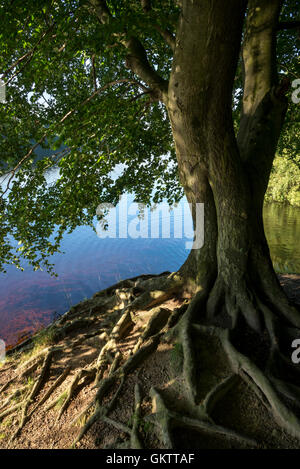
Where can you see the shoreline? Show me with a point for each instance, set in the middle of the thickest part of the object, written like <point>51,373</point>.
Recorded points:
<point>289,282</point>
<point>126,338</point>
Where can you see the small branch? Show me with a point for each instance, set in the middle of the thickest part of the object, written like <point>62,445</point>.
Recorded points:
<point>167,36</point>
<point>65,117</point>
<point>136,59</point>
<point>94,72</point>
<point>29,54</point>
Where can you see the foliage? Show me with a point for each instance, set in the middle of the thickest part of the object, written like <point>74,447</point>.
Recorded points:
<point>69,83</point>
<point>284,181</point>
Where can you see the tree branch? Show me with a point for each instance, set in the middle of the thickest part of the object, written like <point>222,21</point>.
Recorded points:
<point>28,54</point>
<point>101,10</point>
<point>136,59</point>
<point>264,101</point>
<point>12,172</point>
<point>138,62</point>
<point>167,36</point>
<point>165,33</point>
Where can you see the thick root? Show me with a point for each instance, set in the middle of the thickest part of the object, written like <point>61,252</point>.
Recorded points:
<point>135,442</point>
<point>168,421</point>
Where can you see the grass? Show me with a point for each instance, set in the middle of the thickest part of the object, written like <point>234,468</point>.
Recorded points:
<point>40,340</point>
<point>144,426</point>
<point>44,338</point>
<point>285,268</point>
<point>6,422</point>
<point>30,381</point>
<point>61,400</point>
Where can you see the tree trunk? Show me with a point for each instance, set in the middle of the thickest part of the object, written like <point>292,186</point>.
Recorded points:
<point>229,174</point>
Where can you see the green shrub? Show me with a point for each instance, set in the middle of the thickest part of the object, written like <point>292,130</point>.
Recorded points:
<point>284,184</point>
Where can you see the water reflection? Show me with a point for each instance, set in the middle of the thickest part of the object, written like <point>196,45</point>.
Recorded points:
<point>29,300</point>
<point>282,226</point>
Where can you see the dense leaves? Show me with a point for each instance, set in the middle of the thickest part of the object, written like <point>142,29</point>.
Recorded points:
<point>69,89</point>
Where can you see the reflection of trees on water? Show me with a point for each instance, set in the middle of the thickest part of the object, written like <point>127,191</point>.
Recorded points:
<point>282,226</point>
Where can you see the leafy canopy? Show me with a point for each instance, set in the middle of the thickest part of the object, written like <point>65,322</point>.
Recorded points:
<point>73,89</point>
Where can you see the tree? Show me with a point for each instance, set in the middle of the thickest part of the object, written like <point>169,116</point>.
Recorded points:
<point>205,83</point>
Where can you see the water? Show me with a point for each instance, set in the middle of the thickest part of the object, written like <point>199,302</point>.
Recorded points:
<point>282,226</point>
<point>29,300</point>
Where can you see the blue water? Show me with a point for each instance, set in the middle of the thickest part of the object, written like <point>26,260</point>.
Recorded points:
<point>29,300</point>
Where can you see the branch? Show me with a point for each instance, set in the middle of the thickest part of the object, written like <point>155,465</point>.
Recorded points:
<point>138,62</point>
<point>165,33</point>
<point>167,36</point>
<point>28,54</point>
<point>94,72</point>
<point>136,59</point>
<point>61,121</point>
<point>288,25</point>
<point>146,5</point>
<point>101,11</point>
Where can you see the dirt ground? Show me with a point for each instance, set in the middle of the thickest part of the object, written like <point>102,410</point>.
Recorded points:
<point>240,410</point>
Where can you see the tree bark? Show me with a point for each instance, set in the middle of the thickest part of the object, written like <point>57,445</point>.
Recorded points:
<point>199,107</point>
<point>230,175</point>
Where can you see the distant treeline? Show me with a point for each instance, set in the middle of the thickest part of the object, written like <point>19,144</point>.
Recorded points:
<point>284,184</point>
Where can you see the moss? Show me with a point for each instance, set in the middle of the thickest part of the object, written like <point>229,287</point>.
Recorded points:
<point>176,356</point>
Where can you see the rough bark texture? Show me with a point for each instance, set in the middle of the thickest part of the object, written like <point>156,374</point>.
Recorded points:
<point>230,175</point>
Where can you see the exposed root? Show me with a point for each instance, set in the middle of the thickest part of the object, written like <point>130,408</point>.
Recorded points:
<point>163,419</point>
<point>218,314</point>
<point>282,414</point>
<point>15,395</point>
<point>34,391</point>
<point>54,386</point>
<point>88,376</point>
<point>132,363</point>
<point>218,392</point>
<point>10,410</point>
<point>168,421</point>
<point>7,384</point>
<point>135,442</point>
<point>184,327</point>
<point>118,425</point>
<point>157,322</point>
